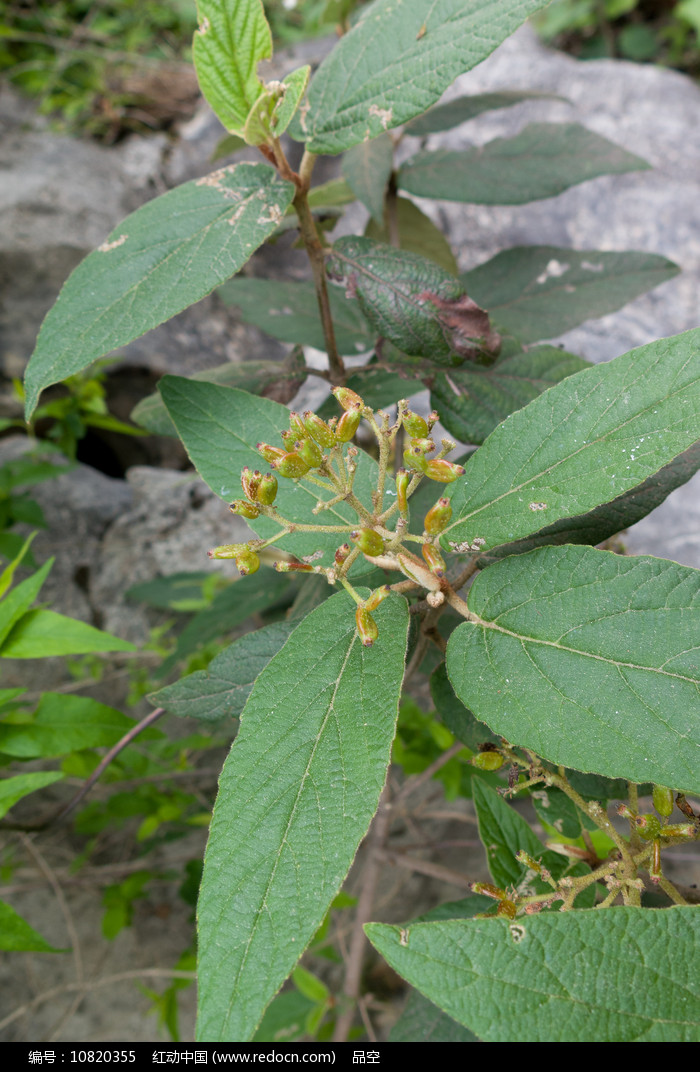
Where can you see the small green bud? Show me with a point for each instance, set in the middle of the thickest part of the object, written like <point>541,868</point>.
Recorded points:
<point>289,438</point>
<point>414,460</point>
<point>250,481</point>
<point>403,479</point>
<point>487,761</point>
<point>347,398</point>
<point>416,571</point>
<point>434,560</point>
<point>425,446</point>
<point>649,827</point>
<point>244,509</point>
<point>433,418</point>
<point>663,800</point>
<point>415,425</point>
<point>342,553</point>
<point>438,517</point>
<point>296,425</point>
<point>489,890</point>
<point>369,542</point>
<point>443,471</point>
<point>366,627</point>
<point>318,429</point>
<point>291,465</point>
<point>507,908</point>
<point>348,424</point>
<point>267,489</point>
<point>247,562</point>
<point>293,567</point>
<point>270,454</point>
<point>523,857</point>
<point>310,451</point>
<point>376,597</point>
<point>681,830</point>
<point>227,550</point>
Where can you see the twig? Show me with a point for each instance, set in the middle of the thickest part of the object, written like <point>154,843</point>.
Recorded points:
<point>353,973</point>
<point>93,984</point>
<point>425,867</point>
<point>54,817</point>
<point>418,780</point>
<point>50,877</point>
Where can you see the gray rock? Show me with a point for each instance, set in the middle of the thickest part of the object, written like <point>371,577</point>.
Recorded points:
<point>173,521</point>
<point>651,111</point>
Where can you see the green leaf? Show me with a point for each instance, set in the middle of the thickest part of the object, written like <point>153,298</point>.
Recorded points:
<point>233,36</point>
<point>13,789</point>
<point>366,168</point>
<point>18,601</point>
<point>539,292</point>
<point>623,975</point>
<point>41,633</point>
<point>588,659</point>
<point>294,87</point>
<point>421,1021</point>
<point>612,517</point>
<point>285,1018</point>
<point>16,936</point>
<point>541,161</point>
<point>168,254</point>
<point>28,470</point>
<point>417,234</point>
<point>7,575</point>
<point>472,401</point>
<point>458,111</point>
<point>582,443</point>
<point>503,833</point>
<point>172,591</point>
<point>220,427</point>
<point>332,194</point>
<point>458,719</point>
<point>309,985</point>
<point>420,308</point>
<point>289,311</point>
<point>396,62</point>
<point>266,378</point>
<point>554,808</point>
<point>222,689</point>
<point>228,609</point>
<point>63,723</point>
<point>229,144</point>
<point>297,793</point>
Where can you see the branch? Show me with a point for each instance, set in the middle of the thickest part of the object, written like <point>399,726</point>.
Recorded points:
<point>66,809</point>
<point>353,972</point>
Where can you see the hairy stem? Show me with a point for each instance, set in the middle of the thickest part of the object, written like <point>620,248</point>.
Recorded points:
<point>314,251</point>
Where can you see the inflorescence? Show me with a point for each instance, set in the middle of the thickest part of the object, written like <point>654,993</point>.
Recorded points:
<point>322,453</point>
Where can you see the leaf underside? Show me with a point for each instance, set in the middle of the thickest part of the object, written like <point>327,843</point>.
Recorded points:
<point>296,795</point>
<point>167,255</point>
<point>584,442</point>
<point>539,292</point>
<point>396,62</point>
<point>541,161</point>
<point>558,975</point>
<point>589,659</point>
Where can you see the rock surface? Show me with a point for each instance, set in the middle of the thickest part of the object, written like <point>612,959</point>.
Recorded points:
<point>650,111</point>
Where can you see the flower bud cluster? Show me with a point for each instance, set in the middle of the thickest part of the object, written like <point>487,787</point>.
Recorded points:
<point>313,448</point>
<point>415,455</point>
